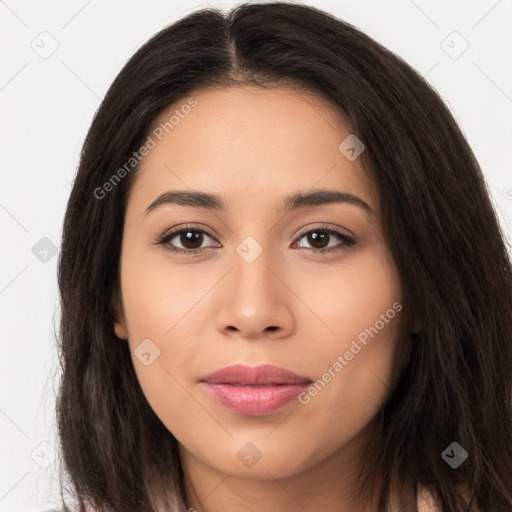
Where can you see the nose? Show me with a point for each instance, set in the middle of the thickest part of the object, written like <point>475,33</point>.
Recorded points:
<point>255,301</point>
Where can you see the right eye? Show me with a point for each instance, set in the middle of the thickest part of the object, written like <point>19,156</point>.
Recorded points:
<point>187,236</point>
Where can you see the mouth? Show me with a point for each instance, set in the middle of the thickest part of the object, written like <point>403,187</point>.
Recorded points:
<point>262,375</point>
<point>254,391</point>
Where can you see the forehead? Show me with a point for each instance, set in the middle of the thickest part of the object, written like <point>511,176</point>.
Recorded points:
<point>250,139</point>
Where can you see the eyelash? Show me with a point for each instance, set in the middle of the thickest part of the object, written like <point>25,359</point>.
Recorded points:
<point>167,237</point>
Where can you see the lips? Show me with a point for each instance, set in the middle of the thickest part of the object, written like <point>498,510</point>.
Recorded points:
<point>264,375</point>
<point>254,391</point>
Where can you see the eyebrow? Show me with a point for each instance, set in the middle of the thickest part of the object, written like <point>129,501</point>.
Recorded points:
<point>299,200</point>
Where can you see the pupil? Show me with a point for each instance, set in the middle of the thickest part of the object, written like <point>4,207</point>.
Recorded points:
<point>314,237</point>
<point>191,237</point>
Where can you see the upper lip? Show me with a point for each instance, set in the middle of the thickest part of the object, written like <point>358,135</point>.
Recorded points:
<point>265,374</point>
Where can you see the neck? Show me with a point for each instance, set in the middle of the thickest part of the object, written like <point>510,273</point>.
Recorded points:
<point>329,485</point>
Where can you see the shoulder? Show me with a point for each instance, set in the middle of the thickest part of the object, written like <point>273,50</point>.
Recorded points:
<point>425,501</point>
<point>70,508</point>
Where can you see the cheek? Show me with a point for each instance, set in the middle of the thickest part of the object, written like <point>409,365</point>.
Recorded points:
<point>157,296</point>
<point>159,317</point>
<point>161,303</point>
<point>349,297</point>
<point>357,309</point>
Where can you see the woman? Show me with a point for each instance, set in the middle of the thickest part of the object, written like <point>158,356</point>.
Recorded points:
<point>283,284</point>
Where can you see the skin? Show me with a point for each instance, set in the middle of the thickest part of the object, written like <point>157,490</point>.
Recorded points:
<point>290,307</point>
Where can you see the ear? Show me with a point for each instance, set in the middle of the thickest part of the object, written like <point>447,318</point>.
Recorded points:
<point>120,327</point>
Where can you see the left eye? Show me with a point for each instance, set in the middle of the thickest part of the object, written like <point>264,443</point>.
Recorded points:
<point>321,236</point>
<point>192,238</point>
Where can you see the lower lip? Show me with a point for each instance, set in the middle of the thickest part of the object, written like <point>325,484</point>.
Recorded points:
<point>254,400</point>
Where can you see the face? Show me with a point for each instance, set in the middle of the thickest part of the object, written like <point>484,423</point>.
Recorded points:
<point>311,288</point>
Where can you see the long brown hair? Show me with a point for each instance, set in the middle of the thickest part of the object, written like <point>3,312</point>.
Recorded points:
<point>453,378</point>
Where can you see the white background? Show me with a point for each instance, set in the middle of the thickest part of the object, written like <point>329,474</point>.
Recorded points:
<point>47,106</point>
